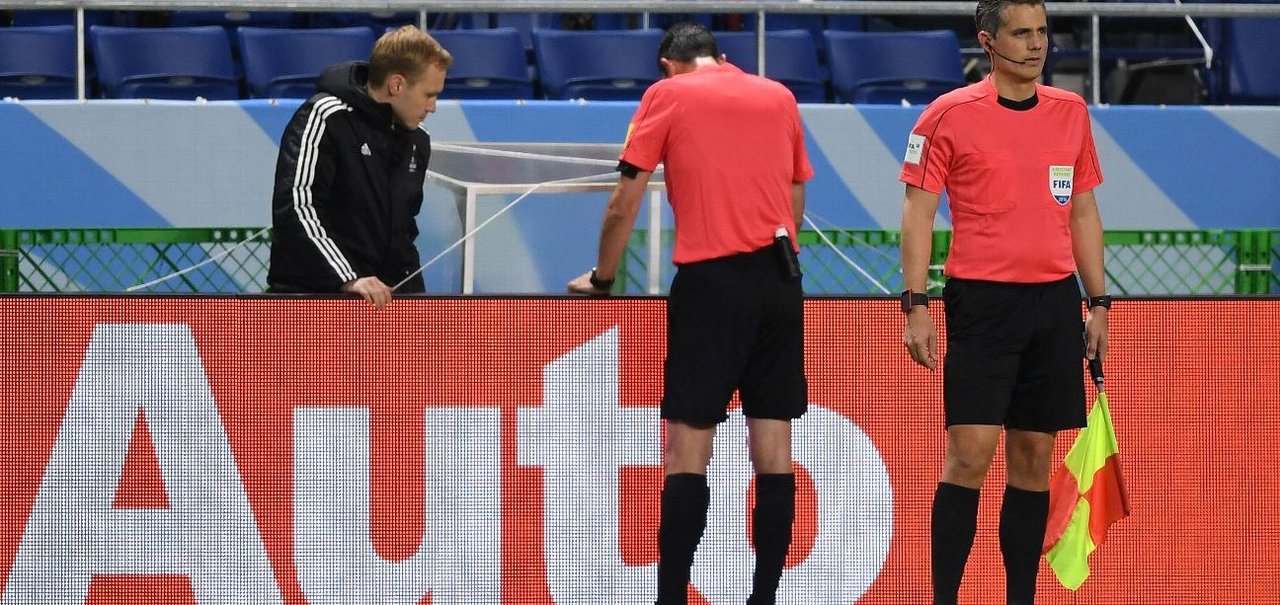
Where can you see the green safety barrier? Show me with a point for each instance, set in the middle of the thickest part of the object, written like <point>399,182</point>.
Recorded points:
<point>208,260</point>
<point>1138,262</point>
<point>838,261</point>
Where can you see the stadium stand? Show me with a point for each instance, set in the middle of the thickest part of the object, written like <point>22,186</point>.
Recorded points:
<point>1253,58</point>
<point>487,64</point>
<point>814,24</point>
<point>164,63</point>
<point>596,65</point>
<point>790,57</point>
<point>377,21</point>
<point>38,62</point>
<point>892,67</point>
<point>284,63</point>
<point>36,18</point>
<point>1144,59</point>
<point>525,24</point>
<point>235,19</point>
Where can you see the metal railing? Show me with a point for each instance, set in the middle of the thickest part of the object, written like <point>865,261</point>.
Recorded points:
<point>856,261</point>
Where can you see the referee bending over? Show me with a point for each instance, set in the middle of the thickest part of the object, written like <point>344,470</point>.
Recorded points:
<point>733,150</point>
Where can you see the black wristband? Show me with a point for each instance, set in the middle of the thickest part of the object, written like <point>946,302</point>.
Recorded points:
<point>600,284</point>
<point>912,299</point>
<point>1103,301</point>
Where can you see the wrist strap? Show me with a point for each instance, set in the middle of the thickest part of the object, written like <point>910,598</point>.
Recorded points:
<point>913,299</point>
<point>600,284</point>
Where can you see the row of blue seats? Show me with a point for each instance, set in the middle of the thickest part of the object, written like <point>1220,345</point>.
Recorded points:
<point>232,18</point>
<point>469,20</point>
<point>525,23</point>
<point>183,63</point>
<point>860,67</point>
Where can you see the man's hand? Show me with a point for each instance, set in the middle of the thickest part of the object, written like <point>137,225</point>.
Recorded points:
<point>371,289</point>
<point>921,338</point>
<point>1095,334</point>
<point>582,285</point>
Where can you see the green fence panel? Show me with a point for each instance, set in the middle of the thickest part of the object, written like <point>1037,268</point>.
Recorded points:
<point>1258,261</point>
<point>838,261</point>
<point>114,260</point>
<point>9,255</point>
<point>1172,262</point>
<point>1152,263</point>
<point>1273,286</point>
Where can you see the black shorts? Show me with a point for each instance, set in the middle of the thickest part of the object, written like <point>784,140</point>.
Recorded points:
<point>734,323</point>
<point>1015,355</point>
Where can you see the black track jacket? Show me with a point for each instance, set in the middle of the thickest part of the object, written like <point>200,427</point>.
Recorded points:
<point>347,191</point>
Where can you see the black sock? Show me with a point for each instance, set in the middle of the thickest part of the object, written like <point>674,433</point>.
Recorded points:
<point>771,522</point>
<point>1022,520</point>
<point>685,498</point>
<point>955,521</point>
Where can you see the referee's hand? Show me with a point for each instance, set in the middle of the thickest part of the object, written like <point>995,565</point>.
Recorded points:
<point>582,285</point>
<point>921,338</point>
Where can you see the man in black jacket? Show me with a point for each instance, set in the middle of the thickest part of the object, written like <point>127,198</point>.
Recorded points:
<point>350,172</point>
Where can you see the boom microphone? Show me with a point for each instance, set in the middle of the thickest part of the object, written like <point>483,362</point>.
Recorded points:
<point>993,51</point>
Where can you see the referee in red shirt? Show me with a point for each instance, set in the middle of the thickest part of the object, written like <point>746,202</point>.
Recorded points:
<point>1018,163</point>
<point>732,146</point>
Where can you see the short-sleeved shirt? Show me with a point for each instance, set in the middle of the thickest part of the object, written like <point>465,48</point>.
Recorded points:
<point>1009,175</point>
<point>731,144</point>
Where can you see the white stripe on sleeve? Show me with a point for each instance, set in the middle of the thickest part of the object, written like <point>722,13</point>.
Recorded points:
<point>304,178</point>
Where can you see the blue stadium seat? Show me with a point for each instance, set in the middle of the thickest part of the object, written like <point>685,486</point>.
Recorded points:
<point>164,63</point>
<point>487,64</point>
<point>814,24</point>
<point>1253,56</point>
<point>890,67</point>
<point>790,58</point>
<point>526,23</point>
<point>38,62</point>
<point>597,65</point>
<point>284,63</point>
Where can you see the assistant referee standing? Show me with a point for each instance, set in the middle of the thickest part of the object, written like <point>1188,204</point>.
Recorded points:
<point>733,150</point>
<point>1018,163</point>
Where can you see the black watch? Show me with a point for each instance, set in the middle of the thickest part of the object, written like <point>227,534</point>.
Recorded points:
<point>600,284</point>
<point>1103,301</point>
<point>912,299</point>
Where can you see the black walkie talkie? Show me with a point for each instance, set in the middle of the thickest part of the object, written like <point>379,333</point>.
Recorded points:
<point>786,254</point>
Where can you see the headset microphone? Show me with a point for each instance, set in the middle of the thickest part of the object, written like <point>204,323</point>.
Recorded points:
<point>993,51</point>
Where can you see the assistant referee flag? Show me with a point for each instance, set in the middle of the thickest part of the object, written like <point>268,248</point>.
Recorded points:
<point>1086,496</point>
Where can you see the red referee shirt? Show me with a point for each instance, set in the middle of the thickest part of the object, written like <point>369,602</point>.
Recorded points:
<point>731,144</point>
<point>1009,175</point>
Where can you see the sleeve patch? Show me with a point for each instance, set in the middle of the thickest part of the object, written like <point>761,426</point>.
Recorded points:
<point>915,148</point>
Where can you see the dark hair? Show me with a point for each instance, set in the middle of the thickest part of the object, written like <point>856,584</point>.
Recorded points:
<point>989,16</point>
<point>686,41</point>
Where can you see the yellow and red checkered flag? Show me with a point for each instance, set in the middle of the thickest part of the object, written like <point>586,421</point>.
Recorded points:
<point>1086,495</point>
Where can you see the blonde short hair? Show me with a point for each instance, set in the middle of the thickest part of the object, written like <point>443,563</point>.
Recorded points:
<point>405,51</point>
